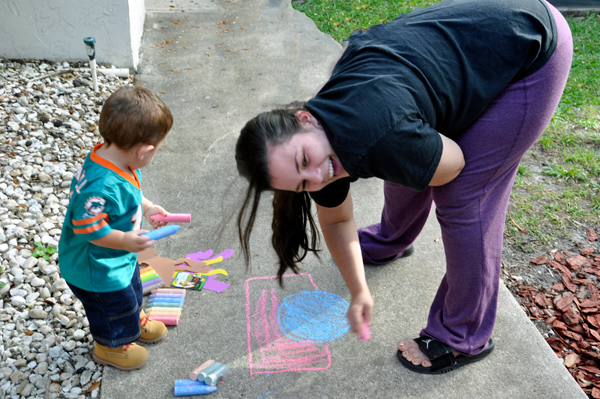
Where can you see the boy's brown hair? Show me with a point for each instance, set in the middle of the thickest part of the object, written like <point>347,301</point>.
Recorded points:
<point>132,116</point>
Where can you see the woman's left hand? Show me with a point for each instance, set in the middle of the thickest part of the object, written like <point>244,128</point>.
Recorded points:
<point>361,309</point>
<point>153,210</point>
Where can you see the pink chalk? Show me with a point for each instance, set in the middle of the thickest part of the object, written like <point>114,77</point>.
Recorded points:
<point>156,311</point>
<point>169,321</point>
<point>154,315</point>
<point>365,333</point>
<point>173,217</point>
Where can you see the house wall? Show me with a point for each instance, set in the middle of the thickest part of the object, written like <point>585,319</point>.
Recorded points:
<point>54,30</point>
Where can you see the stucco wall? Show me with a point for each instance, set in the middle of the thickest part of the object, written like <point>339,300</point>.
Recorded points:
<point>54,30</point>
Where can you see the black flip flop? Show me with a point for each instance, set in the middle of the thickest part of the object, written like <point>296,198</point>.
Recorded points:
<point>441,357</point>
<point>380,262</point>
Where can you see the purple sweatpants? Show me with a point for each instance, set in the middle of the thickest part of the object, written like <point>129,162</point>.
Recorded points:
<point>471,209</point>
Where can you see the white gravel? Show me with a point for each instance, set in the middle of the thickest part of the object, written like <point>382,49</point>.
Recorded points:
<point>48,124</point>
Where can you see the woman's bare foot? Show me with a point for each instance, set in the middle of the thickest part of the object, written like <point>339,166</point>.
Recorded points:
<point>411,352</point>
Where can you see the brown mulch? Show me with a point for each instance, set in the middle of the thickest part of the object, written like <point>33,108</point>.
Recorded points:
<point>572,309</point>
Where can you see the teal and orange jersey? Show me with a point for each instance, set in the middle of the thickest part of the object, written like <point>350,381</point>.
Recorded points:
<point>103,198</point>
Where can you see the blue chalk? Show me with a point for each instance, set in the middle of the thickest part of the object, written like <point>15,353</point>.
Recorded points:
<point>168,295</point>
<point>213,376</point>
<point>189,387</point>
<point>162,232</point>
<point>167,300</point>
<point>212,368</point>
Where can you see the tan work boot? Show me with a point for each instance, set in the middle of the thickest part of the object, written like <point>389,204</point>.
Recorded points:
<point>152,330</point>
<point>127,357</point>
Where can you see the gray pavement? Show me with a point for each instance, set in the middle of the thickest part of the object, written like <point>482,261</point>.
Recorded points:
<point>267,55</point>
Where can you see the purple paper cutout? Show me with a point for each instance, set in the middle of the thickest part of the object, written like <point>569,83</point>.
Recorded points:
<point>200,255</point>
<point>215,285</point>
<point>225,254</point>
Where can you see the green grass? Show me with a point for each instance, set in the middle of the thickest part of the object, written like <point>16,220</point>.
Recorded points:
<point>340,18</point>
<point>558,180</point>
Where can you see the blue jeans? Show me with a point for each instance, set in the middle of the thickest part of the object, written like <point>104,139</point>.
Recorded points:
<point>114,317</point>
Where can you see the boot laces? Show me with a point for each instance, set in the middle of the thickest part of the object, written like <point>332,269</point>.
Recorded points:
<point>144,320</point>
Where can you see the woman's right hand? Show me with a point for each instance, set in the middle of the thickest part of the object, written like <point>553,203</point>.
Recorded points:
<point>361,309</point>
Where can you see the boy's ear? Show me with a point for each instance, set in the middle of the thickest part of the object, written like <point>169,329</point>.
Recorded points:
<point>142,150</point>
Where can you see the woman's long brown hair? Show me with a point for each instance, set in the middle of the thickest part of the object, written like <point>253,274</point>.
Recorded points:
<point>294,230</point>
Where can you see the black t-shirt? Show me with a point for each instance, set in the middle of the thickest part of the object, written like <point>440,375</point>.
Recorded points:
<point>434,70</point>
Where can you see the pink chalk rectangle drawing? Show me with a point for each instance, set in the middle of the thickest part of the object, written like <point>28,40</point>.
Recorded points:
<point>269,349</point>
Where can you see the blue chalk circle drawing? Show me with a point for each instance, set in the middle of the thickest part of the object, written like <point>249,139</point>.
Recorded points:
<point>316,316</point>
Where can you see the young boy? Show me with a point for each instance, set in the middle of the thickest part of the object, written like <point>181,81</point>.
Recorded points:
<point>101,232</point>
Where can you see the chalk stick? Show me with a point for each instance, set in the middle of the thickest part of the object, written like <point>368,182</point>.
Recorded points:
<point>189,387</point>
<point>163,309</point>
<point>162,232</point>
<point>213,367</point>
<point>166,295</point>
<point>149,288</point>
<point>164,305</point>
<point>146,270</point>
<point>173,217</point>
<point>202,367</point>
<point>175,304</point>
<point>168,321</point>
<point>213,377</point>
<point>190,383</point>
<point>171,298</point>
<point>174,301</point>
<point>171,290</point>
<point>162,314</point>
<point>149,277</point>
<point>152,282</point>
<point>158,298</point>
<point>159,309</point>
<point>365,332</point>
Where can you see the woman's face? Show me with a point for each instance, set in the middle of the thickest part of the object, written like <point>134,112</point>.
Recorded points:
<point>306,162</point>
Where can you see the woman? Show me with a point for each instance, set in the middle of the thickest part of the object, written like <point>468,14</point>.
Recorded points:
<point>441,104</point>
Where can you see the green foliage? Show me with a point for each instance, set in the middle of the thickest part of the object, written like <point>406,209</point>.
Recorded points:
<point>43,252</point>
<point>340,18</point>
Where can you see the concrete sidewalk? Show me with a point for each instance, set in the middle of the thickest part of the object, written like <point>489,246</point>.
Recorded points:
<point>256,55</point>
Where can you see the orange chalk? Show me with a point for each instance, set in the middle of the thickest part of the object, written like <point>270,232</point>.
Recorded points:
<point>203,366</point>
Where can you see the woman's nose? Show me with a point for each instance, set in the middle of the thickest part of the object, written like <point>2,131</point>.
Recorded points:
<point>314,175</point>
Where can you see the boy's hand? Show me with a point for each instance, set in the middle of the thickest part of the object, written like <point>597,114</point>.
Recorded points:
<point>133,241</point>
<point>153,210</point>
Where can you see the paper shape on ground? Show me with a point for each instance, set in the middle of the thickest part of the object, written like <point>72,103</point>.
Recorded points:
<point>191,263</point>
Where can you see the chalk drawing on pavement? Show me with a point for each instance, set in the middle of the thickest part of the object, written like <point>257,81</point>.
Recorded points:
<point>290,334</point>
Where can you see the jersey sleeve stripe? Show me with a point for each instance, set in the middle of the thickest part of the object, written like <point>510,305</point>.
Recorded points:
<point>91,229</point>
<point>80,222</point>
